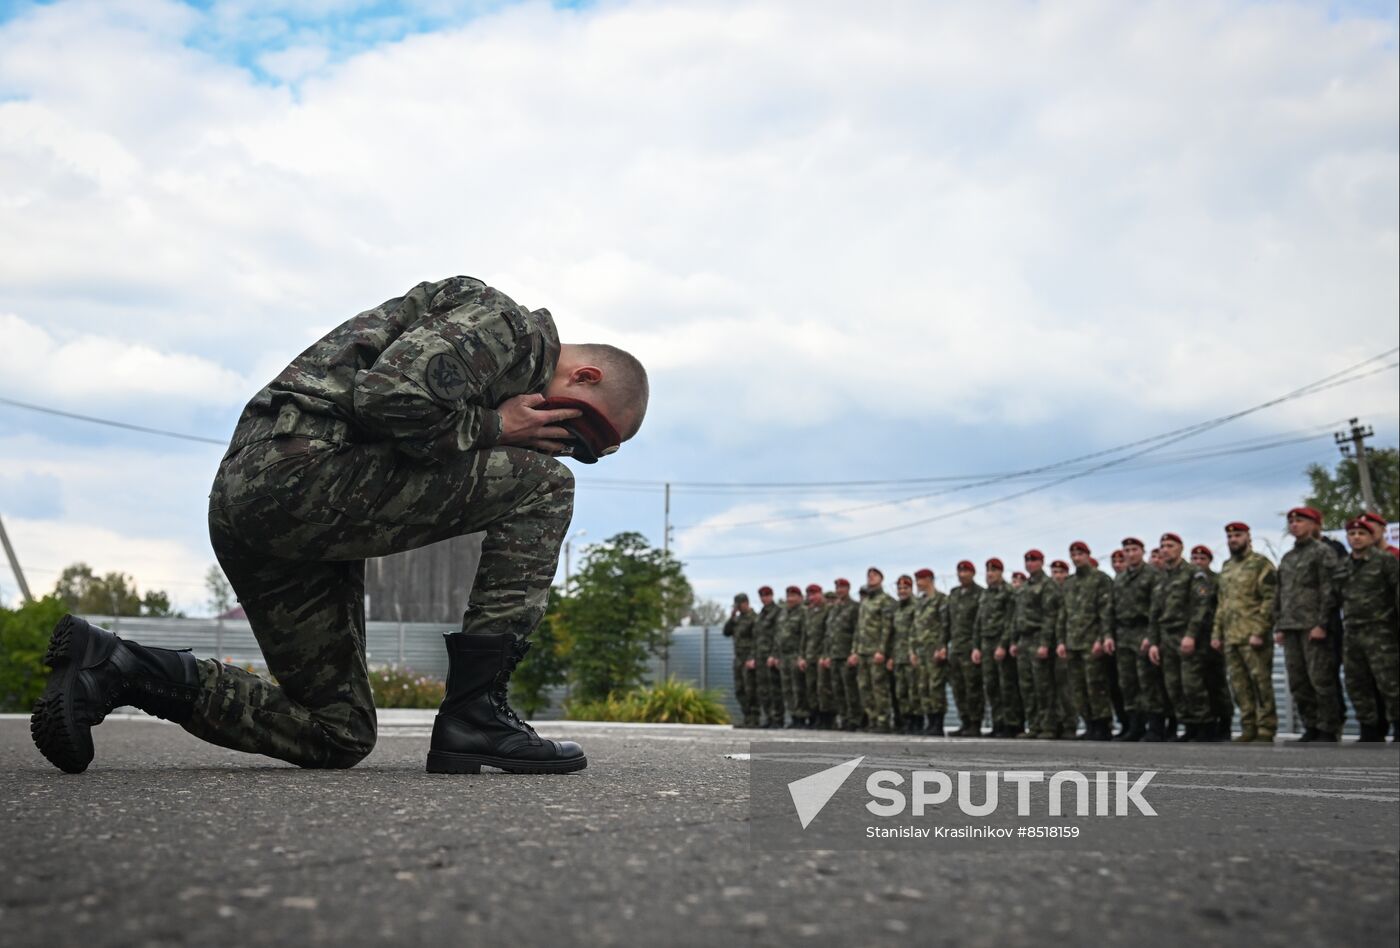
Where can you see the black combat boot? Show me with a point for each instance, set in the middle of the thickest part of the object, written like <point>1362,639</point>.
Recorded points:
<point>1132,730</point>
<point>1309,735</point>
<point>1372,734</point>
<point>1172,723</point>
<point>1104,730</point>
<point>1188,733</point>
<point>1155,731</point>
<point>476,725</point>
<point>935,724</point>
<point>94,671</point>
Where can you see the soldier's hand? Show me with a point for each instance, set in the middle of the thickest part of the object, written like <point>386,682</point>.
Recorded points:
<point>1097,648</point>
<point>1146,644</point>
<point>524,426</point>
<point>751,664</point>
<point>1154,655</point>
<point>940,656</point>
<point>1110,646</point>
<point>772,662</point>
<point>977,656</point>
<point>1317,633</point>
<point>1218,645</point>
<point>1061,651</point>
<point>802,664</point>
<point>1256,641</point>
<point>853,661</point>
<point>889,664</point>
<point>879,658</point>
<point>1015,651</point>
<point>1043,653</point>
<point>999,655</point>
<point>1188,645</point>
<point>914,659</point>
<point>1278,638</point>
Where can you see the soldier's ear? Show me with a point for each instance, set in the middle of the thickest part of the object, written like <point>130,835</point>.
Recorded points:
<point>586,375</point>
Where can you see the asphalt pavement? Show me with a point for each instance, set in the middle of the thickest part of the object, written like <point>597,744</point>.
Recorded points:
<point>165,840</point>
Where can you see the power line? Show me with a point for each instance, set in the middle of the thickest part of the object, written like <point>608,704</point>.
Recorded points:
<point>1151,444</point>
<point>111,423</point>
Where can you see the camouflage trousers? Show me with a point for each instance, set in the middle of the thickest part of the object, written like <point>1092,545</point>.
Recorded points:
<point>1125,658</point>
<point>907,696</point>
<point>1152,687</point>
<point>817,699</point>
<point>1088,679</point>
<point>933,686</point>
<point>991,688</point>
<point>1312,680</point>
<point>1217,684</point>
<point>1025,682</point>
<point>1013,712</point>
<point>746,690</point>
<point>1373,667</point>
<point>794,688</point>
<point>1252,681</point>
<point>1185,676</point>
<point>292,521</point>
<point>1053,695</point>
<point>851,706</point>
<point>770,691</point>
<point>874,683</point>
<point>967,687</point>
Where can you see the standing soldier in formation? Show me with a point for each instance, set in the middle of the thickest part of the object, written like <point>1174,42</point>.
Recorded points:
<point>770,681</point>
<point>742,627</point>
<point>962,632</point>
<point>871,650</point>
<point>1205,590</point>
<point>1377,525</point>
<point>790,654</point>
<point>1173,645</point>
<point>1119,560</point>
<point>930,657</point>
<point>1302,606</point>
<point>813,647</point>
<point>1027,619</point>
<point>906,703</point>
<point>1054,684</point>
<point>840,634</point>
<point>1367,585</point>
<point>826,672</point>
<point>1088,616</point>
<point>1132,602</point>
<point>994,615</point>
<point>1244,617</point>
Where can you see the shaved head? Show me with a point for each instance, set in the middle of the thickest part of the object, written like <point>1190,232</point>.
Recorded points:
<point>609,378</point>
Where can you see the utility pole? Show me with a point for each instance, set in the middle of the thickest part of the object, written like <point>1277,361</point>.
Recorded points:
<point>666,548</point>
<point>1353,443</point>
<point>14,562</point>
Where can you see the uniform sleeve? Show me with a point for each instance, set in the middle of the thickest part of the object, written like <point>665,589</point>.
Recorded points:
<point>421,392</point>
<point>1327,596</point>
<point>1278,604</point>
<point>1105,605</point>
<point>1154,615</point>
<point>729,627</point>
<point>1217,626</point>
<point>1007,620</point>
<point>1266,593</point>
<point>887,624</point>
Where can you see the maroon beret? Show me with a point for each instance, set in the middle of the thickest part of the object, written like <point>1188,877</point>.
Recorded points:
<point>1309,513</point>
<point>1359,523</point>
<point>1133,541</point>
<point>814,587</point>
<point>995,563</point>
<point>1060,564</point>
<point>966,565</point>
<point>905,580</point>
<point>876,569</point>
<point>794,589</point>
<point>843,582</point>
<point>1236,526</point>
<point>765,590</point>
<point>1173,536</point>
<point>1374,519</point>
<point>924,573</point>
<point>1019,575</point>
<point>1117,555</point>
<point>1035,555</point>
<point>1093,562</point>
<point>1202,548</point>
<point>1080,546</point>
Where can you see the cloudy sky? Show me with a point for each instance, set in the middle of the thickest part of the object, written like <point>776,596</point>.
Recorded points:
<point>937,244</point>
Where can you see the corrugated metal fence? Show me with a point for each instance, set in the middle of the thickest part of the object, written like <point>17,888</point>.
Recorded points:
<point>699,655</point>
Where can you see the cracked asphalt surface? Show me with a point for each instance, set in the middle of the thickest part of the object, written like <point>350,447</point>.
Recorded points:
<point>169,841</point>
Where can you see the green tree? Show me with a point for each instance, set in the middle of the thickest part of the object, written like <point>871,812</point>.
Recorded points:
<point>24,638</point>
<point>708,612</point>
<point>626,596</point>
<point>1338,493</point>
<point>221,597</point>
<point>115,594</point>
<point>545,666</point>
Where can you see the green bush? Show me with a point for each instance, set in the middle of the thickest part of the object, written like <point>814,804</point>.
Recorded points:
<point>24,637</point>
<point>672,702</point>
<point>396,687</point>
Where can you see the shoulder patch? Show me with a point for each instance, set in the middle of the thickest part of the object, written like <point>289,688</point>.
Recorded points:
<point>447,376</point>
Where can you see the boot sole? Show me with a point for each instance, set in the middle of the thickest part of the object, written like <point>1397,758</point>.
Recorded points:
<point>65,743</point>
<point>446,762</point>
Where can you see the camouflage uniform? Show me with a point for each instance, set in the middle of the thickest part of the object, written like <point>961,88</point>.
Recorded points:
<point>1052,685</point>
<point>1304,600</point>
<point>1367,588</point>
<point>906,694</point>
<point>840,634</point>
<point>874,633</point>
<point>1132,610</point>
<point>930,635</point>
<point>813,647</point>
<point>1245,607</point>
<point>379,438</point>
<point>789,651</point>
<point>742,628</point>
<point>994,610</point>
<point>1088,609</point>
<point>962,634</point>
<point>1169,622</point>
<point>770,680</point>
<point>1028,620</point>
<point>1205,586</point>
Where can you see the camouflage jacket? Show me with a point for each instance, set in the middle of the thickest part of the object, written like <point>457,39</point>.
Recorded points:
<point>930,624</point>
<point>1171,601</point>
<point>768,631</point>
<point>425,370</point>
<point>743,629</point>
<point>813,631</point>
<point>962,617</point>
<point>1367,588</point>
<point>1030,607</point>
<point>875,628</point>
<point>993,626</point>
<point>1205,586</point>
<point>1088,608</point>
<point>841,628</point>
<point>790,632</point>
<point>1132,604</point>
<point>1245,600</point>
<point>1052,624</point>
<point>905,611</point>
<point>1306,596</point>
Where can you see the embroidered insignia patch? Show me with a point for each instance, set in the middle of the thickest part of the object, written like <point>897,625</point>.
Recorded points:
<point>447,376</point>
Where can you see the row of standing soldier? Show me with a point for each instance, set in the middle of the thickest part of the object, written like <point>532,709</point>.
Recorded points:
<point>1164,644</point>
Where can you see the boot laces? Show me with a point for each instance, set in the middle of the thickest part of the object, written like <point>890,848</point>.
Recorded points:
<point>501,685</point>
